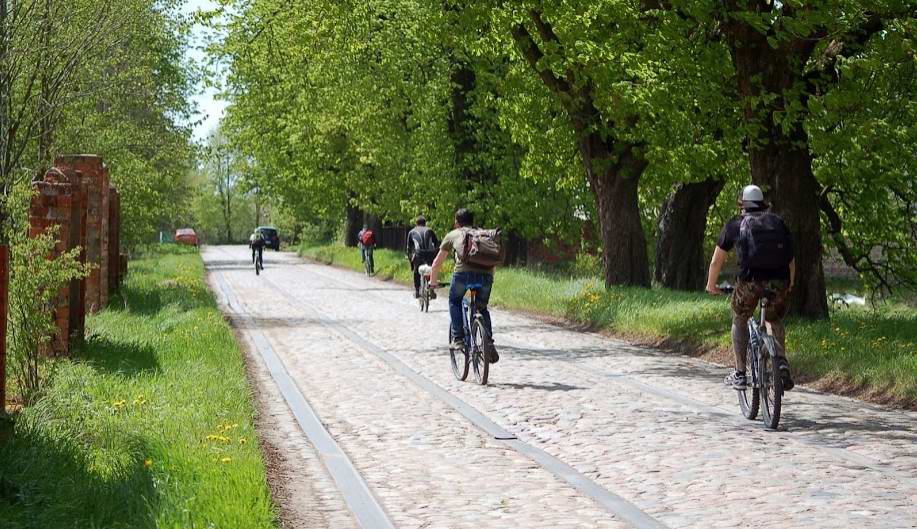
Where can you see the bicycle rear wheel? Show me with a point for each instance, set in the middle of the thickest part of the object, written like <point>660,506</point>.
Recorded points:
<point>423,299</point>
<point>479,363</point>
<point>257,266</point>
<point>458,358</point>
<point>749,398</point>
<point>771,385</point>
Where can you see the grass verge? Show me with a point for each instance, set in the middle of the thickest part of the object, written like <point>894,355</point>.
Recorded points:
<point>149,425</point>
<point>867,352</point>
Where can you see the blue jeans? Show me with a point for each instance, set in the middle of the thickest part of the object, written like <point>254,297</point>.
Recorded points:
<point>457,292</point>
<point>366,252</point>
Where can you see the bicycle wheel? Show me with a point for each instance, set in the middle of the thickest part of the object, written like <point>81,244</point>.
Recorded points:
<point>257,267</point>
<point>479,363</point>
<point>749,398</point>
<point>424,298</point>
<point>458,358</point>
<point>771,385</point>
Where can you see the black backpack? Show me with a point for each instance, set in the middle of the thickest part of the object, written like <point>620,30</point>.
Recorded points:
<point>763,243</point>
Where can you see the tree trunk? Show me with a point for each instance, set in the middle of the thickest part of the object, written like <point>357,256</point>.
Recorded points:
<point>257,211</point>
<point>779,154</point>
<point>786,170</point>
<point>4,306</point>
<point>614,181</point>
<point>516,250</point>
<point>680,235</point>
<point>353,223</point>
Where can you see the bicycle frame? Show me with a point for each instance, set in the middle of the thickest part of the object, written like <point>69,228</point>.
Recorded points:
<point>469,310</point>
<point>757,330</point>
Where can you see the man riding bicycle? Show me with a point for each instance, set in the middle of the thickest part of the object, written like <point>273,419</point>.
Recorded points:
<point>764,248</point>
<point>366,240</point>
<point>421,249</point>
<point>256,243</point>
<point>464,274</point>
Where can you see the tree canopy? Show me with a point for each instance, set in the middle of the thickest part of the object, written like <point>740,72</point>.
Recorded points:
<point>626,116</point>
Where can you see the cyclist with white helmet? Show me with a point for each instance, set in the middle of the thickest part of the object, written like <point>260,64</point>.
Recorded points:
<point>765,256</point>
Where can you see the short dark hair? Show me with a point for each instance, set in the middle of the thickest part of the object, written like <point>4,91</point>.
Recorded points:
<point>421,220</point>
<point>464,217</point>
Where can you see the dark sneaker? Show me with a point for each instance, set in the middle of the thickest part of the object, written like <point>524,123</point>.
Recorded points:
<point>737,380</point>
<point>784,368</point>
<point>492,356</point>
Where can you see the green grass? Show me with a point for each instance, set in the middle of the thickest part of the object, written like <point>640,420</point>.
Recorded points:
<point>149,425</point>
<point>864,351</point>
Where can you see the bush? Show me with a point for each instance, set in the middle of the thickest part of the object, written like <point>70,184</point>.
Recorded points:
<point>35,283</point>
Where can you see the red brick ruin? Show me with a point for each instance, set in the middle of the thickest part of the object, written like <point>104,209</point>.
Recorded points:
<point>77,198</point>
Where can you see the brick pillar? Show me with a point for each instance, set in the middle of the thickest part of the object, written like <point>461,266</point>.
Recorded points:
<point>52,206</point>
<point>114,239</point>
<point>79,190</point>
<point>104,238</point>
<point>91,168</point>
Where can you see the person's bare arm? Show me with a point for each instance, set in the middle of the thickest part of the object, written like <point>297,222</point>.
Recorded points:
<point>437,266</point>
<point>716,266</point>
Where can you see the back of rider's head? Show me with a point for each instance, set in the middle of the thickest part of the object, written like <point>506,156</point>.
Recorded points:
<point>752,199</point>
<point>464,217</point>
<point>421,221</point>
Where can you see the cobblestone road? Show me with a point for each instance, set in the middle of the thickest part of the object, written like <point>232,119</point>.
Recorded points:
<point>659,431</point>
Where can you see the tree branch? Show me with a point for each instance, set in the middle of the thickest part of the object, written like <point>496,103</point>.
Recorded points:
<point>533,55</point>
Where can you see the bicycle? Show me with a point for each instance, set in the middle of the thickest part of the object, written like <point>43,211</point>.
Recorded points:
<point>476,335</point>
<point>259,263</point>
<point>368,260</point>
<point>762,365</point>
<point>426,293</point>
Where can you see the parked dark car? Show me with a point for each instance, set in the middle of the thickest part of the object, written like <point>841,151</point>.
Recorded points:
<point>271,237</point>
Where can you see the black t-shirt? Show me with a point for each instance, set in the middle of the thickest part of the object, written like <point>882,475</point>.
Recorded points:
<point>727,241</point>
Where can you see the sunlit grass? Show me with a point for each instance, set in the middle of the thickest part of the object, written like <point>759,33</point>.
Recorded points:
<point>150,425</point>
<point>870,351</point>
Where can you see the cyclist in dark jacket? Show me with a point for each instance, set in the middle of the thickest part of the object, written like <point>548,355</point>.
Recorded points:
<point>421,248</point>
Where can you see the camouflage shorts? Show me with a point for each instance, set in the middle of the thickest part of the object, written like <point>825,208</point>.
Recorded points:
<point>747,293</point>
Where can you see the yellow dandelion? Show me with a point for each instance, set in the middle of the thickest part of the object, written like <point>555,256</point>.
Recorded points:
<point>243,440</point>
<point>148,463</point>
<point>226,460</point>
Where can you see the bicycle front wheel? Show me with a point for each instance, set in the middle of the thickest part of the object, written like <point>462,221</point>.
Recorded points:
<point>479,363</point>
<point>458,358</point>
<point>771,385</point>
<point>749,398</point>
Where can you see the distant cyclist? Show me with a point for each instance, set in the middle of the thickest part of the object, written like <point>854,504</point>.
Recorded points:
<point>366,240</point>
<point>465,274</point>
<point>765,254</point>
<point>421,248</point>
<point>256,243</point>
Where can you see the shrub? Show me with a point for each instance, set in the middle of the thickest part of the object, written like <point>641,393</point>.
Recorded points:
<point>35,283</point>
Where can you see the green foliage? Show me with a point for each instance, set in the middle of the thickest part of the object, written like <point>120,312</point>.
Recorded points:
<point>35,283</point>
<point>136,119</point>
<point>400,107</point>
<point>150,425</point>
